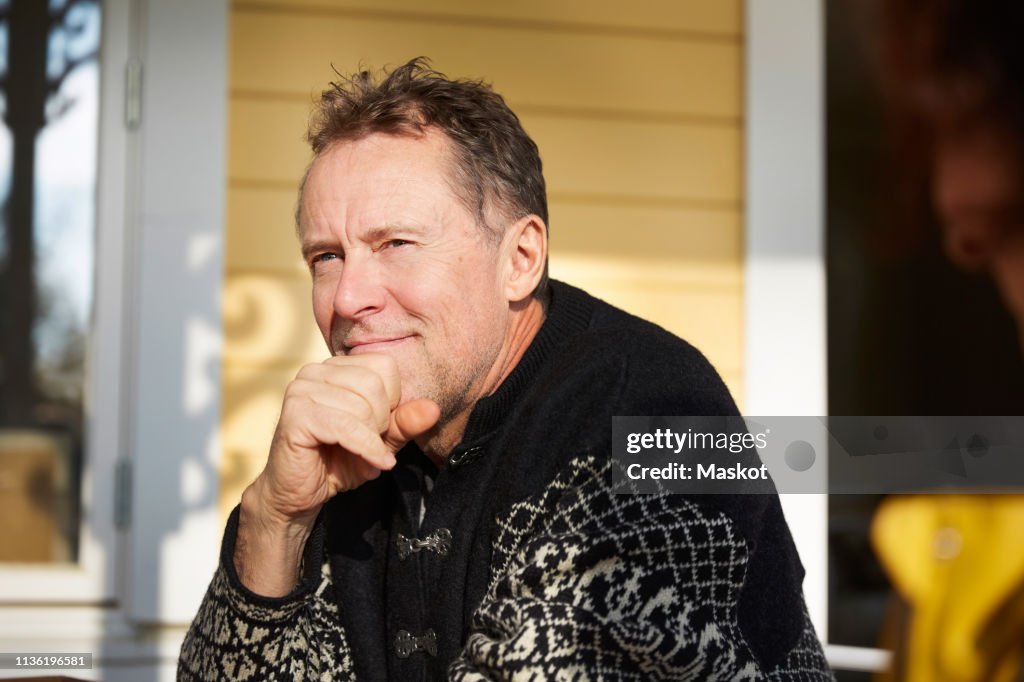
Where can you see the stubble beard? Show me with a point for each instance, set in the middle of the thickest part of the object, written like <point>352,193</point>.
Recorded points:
<point>453,384</point>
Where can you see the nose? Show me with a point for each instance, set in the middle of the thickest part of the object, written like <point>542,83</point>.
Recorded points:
<point>970,244</point>
<point>359,292</point>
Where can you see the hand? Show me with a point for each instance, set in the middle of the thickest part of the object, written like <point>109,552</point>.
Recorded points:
<point>340,426</point>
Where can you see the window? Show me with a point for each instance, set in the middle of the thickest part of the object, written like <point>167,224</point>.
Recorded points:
<point>908,333</point>
<point>48,183</point>
<point>149,393</point>
<point>58,314</point>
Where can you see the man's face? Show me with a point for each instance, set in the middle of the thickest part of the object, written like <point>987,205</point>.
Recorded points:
<point>400,267</point>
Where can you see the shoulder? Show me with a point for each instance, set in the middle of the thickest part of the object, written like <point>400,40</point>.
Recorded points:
<point>590,363</point>
<point>609,364</point>
<point>647,369</point>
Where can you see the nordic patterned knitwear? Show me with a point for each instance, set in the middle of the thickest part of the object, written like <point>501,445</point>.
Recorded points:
<point>586,585</point>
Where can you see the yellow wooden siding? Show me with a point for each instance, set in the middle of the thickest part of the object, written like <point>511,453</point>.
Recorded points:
<point>636,74</point>
<point>637,112</point>
<point>689,18</point>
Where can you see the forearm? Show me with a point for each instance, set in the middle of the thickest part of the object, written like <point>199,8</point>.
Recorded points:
<point>268,550</point>
<point>295,637</point>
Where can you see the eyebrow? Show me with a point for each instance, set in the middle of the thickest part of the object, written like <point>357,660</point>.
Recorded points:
<point>374,234</point>
<point>309,248</point>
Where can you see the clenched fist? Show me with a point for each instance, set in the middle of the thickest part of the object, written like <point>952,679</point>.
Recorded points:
<point>340,426</point>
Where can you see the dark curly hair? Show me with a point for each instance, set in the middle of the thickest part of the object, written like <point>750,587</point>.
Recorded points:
<point>495,163</point>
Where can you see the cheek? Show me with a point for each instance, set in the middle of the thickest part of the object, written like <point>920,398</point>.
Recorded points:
<point>445,290</point>
<point>975,168</point>
<point>323,305</point>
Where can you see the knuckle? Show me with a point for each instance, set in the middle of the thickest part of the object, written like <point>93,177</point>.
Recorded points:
<point>297,387</point>
<point>345,375</point>
<point>291,401</point>
<point>376,390</point>
<point>308,370</point>
<point>368,385</point>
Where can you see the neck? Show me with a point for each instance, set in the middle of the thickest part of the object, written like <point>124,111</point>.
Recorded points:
<point>524,323</point>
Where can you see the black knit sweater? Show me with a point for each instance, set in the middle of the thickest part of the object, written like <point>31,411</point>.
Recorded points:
<point>525,564</point>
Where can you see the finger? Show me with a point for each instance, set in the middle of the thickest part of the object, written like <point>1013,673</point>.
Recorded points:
<point>384,365</point>
<point>345,472</point>
<point>332,427</point>
<point>410,420</point>
<point>366,381</point>
<point>344,399</point>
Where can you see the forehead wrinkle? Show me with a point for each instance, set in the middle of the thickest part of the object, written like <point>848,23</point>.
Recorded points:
<point>363,226</point>
<point>423,182</point>
<point>446,167</point>
<point>415,183</point>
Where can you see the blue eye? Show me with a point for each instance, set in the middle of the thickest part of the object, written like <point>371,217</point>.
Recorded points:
<point>321,261</point>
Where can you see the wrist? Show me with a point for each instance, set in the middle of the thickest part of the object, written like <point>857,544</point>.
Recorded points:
<point>268,546</point>
<point>258,512</point>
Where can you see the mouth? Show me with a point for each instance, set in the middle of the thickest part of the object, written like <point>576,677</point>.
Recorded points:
<point>373,345</point>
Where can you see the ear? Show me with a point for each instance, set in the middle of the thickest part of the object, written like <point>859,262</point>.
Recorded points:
<point>525,253</point>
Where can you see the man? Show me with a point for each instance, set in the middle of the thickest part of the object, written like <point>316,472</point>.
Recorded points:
<point>436,501</point>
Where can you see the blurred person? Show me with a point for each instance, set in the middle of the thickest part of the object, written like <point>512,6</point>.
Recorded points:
<point>437,501</point>
<point>952,73</point>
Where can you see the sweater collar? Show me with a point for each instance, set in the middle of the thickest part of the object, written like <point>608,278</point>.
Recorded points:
<point>568,314</point>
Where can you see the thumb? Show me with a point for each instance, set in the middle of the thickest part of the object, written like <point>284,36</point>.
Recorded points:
<point>409,420</point>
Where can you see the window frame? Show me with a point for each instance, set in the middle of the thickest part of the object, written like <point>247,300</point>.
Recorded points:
<point>785,285</point>
<point>153,376</point>
<point>91,578</point>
